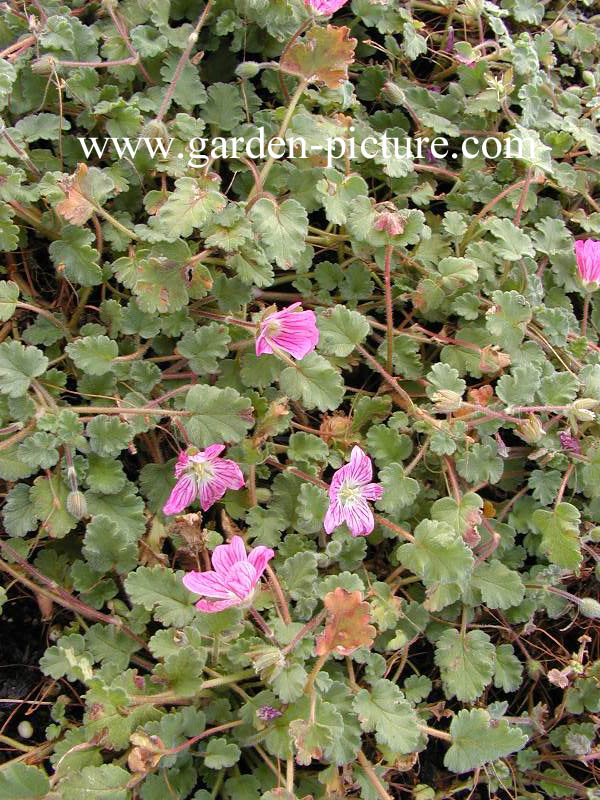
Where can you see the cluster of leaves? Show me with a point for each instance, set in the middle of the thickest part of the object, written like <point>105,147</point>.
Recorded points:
<point>447,652</point>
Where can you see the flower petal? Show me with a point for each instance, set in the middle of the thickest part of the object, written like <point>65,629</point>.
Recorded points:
<point>361,468</point>
<point>213,450</point>
<point>228,473</point>
<point>208,583</point>
<point>359,518</point>
<point>226,556</point>
<point>218,605</point>
<point>184,492</point>
<point>241,579</point>
<point>372,491</point>
<point>259,557</point>
<point>183,461</point>
<point>334,516</point>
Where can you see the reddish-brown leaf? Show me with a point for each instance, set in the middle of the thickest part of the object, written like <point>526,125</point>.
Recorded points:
<point>347,626</point>
<point>323,55</point>
<point>75,208</point>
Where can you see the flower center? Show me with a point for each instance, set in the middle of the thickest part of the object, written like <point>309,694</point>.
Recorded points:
<point>349,493</point>
<point>203,471</point>
<point>273,327</point>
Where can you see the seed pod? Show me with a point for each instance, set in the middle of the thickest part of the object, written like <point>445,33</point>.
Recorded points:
<point>393,93</point>
<point>77,505</point>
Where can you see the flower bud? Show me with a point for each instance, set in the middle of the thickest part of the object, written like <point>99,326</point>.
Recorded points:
<point>531,430</point>
<point>447,400</point>
<point>77,505</point>
<point>589,607</point>
<point>248,69</point>
<point>25,729</point>
<point>154,129</point>
<point>534,668</point>
<point>393,93</point>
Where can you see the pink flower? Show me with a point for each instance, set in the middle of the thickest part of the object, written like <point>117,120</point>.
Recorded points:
<point>234,578</point>
<point>201,473</point>
<point>349,491</point>
<point>587,254</point>
<point>294,331</point>
<point>326,7</point>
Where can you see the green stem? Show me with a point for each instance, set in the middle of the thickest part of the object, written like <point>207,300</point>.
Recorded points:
<point>282,130</point>
<point>389,310</point>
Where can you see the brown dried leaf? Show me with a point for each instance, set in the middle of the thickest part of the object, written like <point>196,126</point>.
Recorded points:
<point>75,208</point>
<point>322,55</point>
<point>347,626</point>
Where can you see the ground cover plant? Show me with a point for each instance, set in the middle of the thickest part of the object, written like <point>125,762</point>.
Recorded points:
<point>300,455</point>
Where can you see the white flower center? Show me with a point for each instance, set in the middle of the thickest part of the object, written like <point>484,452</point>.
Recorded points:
<point>203,470</point>
<point>349,493</point>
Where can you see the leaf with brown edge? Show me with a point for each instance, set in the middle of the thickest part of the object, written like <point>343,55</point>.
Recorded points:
<point>322,55</point>
<point>347,626</point>
<point>75,208</point>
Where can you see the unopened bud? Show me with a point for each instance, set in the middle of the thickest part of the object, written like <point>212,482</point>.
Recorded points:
<point>77,505</point>
<point>154,129</point>
<point>393,93</point>
<point>534,668</point>
<point>531,430</point>
<point>247,69</point>
<point>447,400</point>
<point>589,607</point>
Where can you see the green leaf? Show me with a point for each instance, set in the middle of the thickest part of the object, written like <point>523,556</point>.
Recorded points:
<point>478,739</point>
<point>38,451</point>
<point>107,782</point>
<point>519,387</point>
<point>218,415</point>
<point>508,318</point>
<point>107,643</point>
<point>500,586</point>
<point>108,435</point>
<point>307,447</point>
<point>337,192</point>
<point>466,663</point>
<point>205,347</point>
<point>9,295</point>
<point>385,711</point>
<point>105,475</point>
<point>161,590</point>
<point>438,554</point>
<point>313,381</point>
<point>512,244</point>
<point>190,206</point>
<point>22,782</point>
<point>220,753</point>
<point>560,535</point>
<point>74,252</point>
<point>281,229</point>
<point>106,548</point>
<point>18,514</point>
<point>182,671</point>
<point>49,499</point>
<point>399,491</point>
<point>19,365</point>
<point>508,673</point>
<point>299,573</point>
<point>457,272</point>
<point>481,462</point>
<point>442,377</point>
<point>341,330</point>
<point>125,508</point>
<point>223,109</point>
<point>93,354</point>
<point>387,446</point>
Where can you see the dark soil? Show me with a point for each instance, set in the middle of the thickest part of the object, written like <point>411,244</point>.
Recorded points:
<point>22,644</point>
